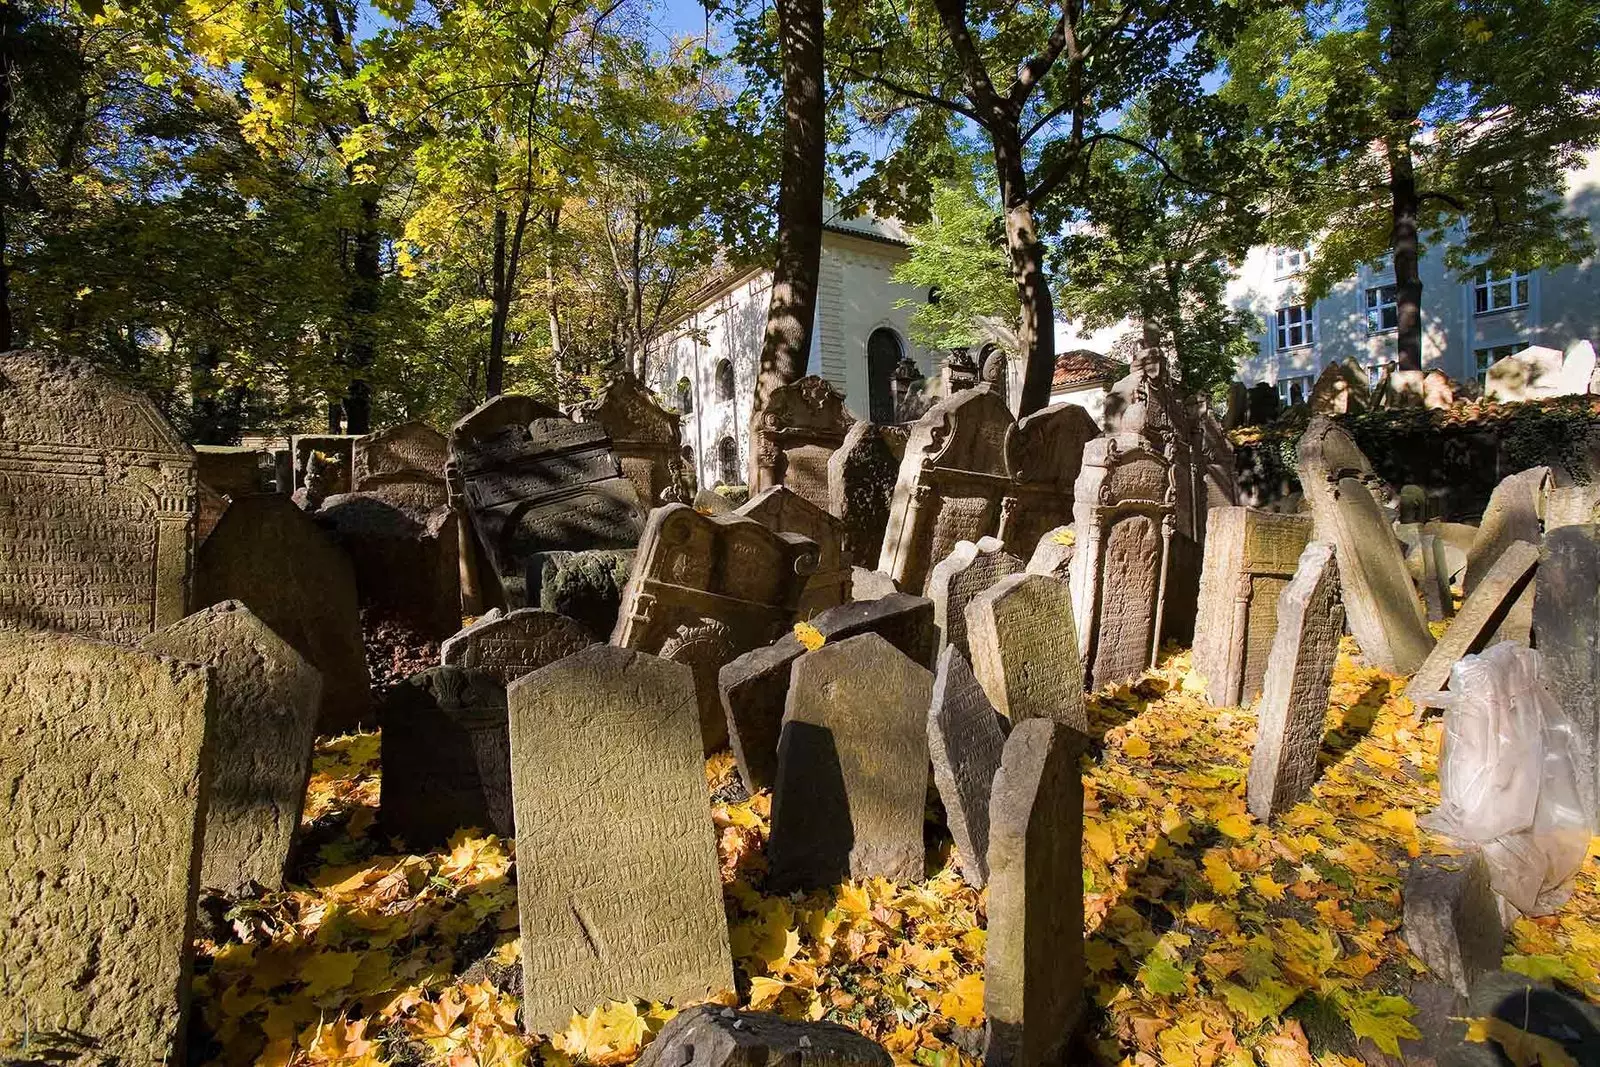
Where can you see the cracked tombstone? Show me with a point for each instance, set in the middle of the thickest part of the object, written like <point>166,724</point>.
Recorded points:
<point>961,576</point>
<point>507,646</point>
<point>965,738</point>
<point>1025,650</point>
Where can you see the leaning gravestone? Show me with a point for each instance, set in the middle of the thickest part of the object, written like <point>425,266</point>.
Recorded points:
<point>104,760</point>
<point>1482,614</point>
<point>264,725</point>
<point>852,767</point>
<point>1033,964</point>
<point>1053,554</point>
<point>971,568</point>
<point>97,498</point>
<point>406,560</point>
<point>1250,556</point>
<point>1566,625</point>
<point>507,646</point>
<point>1514,513</point>
<point>1044,452</point>
<point>271,556</point>
<point>1294,693</point>
<point>645,435</point>
<point>1025,650</point>
<point>1341,389</point>
<point>783,510</point>
<point>1451,918</point>
<point>964,741</point>
<point>861,474</point>
<point>445,757</point>
<point>795,437</point>
<point>610,796</point>
<point>403,464</point>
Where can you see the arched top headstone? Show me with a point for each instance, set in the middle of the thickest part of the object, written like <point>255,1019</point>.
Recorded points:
<point>409,453</point>
<point>629,412</point>
<point>57,402</point>
<point>964,432</point>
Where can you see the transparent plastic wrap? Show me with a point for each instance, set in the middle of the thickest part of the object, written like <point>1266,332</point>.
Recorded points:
<point>1507,782</point>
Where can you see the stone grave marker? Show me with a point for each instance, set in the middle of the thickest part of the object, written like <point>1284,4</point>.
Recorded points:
<point>97,500</point>
<point>1438,391</point>
<point>705,589</point>
<point>970,568</point>
<point>1250,556</point>
<point>1263,406</point>
<point>783,510</point>
<point>404,464</point>
<point>264,724</point>
<point>1044,452</point>
<point>1341,389</point>
<point>861,476</point>
<point>710,1036</point>
<point>1451,919</point>
<point>508,645</point>
<point>1025,649</point>
<point>1435,581</point>
<point>609,791</point>
<point>852,767</point>
<point>106,763</point>
<point>1294,693</point>
<point>1482,614</point>
<point>870,585</point>
<point>233,471</point>
<point>802,425</point>
<point>407,561</point>
<point>1033,963</point>
<point>271,556</point>
<point>1053,554</point>
<point>644,434</point>
<point>965,738</point>
<point>1566,625</point>
<point>1532,374</point>
<point>338,450</point>
<point>586,586</point>
<point>1514,513</point>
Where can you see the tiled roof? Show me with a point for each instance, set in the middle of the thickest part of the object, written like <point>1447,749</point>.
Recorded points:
<point>1081,366</point>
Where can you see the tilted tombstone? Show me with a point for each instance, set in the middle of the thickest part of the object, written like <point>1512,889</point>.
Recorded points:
<point>105,763</point>
<point>1566,625</point>
<point>951,483</point>
<point>338,452</point>
<point>1535,373</point>
<point>645,436</point>
<point>1025,649</point>
<point>209,506</point>
<point>852,767</point>
<point>1514,513</point>
<point>1482,615</point>
<point>1438,391</point>
<point>755,687</point>
<point>406,560</point>
<point>1294,693</point>
<point>1341,389</point>
<point>1213,465</point>
<point>1250,556</point>
<point>1033,962</point>
<point>445,757</point>
<point>870,585</point>
<point>272,557</point>
<point>1380,600</point>
<point>799,429</point>
<point>404,464</point>
<point>1053,553</point>
<point>1435,581</point>
<point>1044,452</point>
<point>707,1035</point>
<point>1451,919</point>
<point>965,737</point>
<point>970,568</point>
<point>263,728</point>
<point>861,474</point>
<point>507,646</point>
<point>783,510</point>
<point>705,589</point>
<point>610,795</point>
<point>97,500</point>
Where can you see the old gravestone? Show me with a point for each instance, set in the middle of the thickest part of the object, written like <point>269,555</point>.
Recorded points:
<point>507,646</point>
<point>584,586</point>
<point>233,470</point>
<point>796,435</point>
<point>861,474</point>
<point>97,495</point>
<point>1341,389</point>
<point>336,450</point>
<point>1294,693</point>
<point>755,687</point>
<point>1053,554</point>
<point>1435,581</point>
<point>1452,922</point>
<point>272,557</point>
<point>783,510</point>
<point>705,589</point>
<point>710,1036</point>
<point>106,762</point>
<point>970,568</point>
<point>1044,452</point>
<point>445,756</point>
<point>1033,964</point>
<point>1250,556</point>
<point>1380,600</point>
<point>950,486</point>
<point>404,464</point>
<point>1025,649</point>
<point>264,725</point>
<point>965,738</point>
<point>1566,625</point>
<point>610,794</point>
<point>644,434</point>
<point>1514,513</point>
<point>1482,615</point>
<point>852,767</point>
<point>406,559</point>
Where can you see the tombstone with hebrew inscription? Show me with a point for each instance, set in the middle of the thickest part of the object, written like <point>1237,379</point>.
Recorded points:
<point>97,501</point>
<point>1025,650</point>
<point>644,435</point>
<point>965,737</point>
<point>403,464</point>
<point>508,645</point>
<point>705,589</point>
<point>798,431</point>
<point>783,510</point>
<point>1044,453</point>
<point>967,571</point>
<point>861,476</point>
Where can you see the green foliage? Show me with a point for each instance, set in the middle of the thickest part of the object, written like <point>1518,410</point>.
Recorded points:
<point>960,253</point>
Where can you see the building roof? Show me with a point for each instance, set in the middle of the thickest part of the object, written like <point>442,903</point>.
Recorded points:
<point>1082,366</point>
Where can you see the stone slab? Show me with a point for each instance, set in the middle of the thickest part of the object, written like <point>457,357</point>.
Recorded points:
<point>965,738</point>
<point>407,561</point>
<point>1053,554</point>
<point>1025,650</point>
<point>1566,626</point>
<point>710,1036</point>
<point>783,510</point>
<point>507,646</point>
<point>1481,615</point>
<point>1513,514</point>
<point>861,477</point>
<point>586,586</point>
<point>956,580</point>
<point>1452,921</point>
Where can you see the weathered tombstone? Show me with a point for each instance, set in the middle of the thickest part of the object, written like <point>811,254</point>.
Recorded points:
<point>586,586</point>
<point>958,578</point>
<point>755,687</point>
<point>782,510</point>
<point>507,646</point>
<point>711,502</point>
<point>610,795</point>
<point>1044,452</point>
<point>1452,921</point>
<point>270,556</point>
<point>1053,554</point>
<point>1401,389</point>
<point>97,499</point>
<point>965,738</point>
<point>233,471</point>
<point>1435,581</point>
<point>861,475</point>
<point>1566,625</point>
<point>799,429</point>
<point>870,585</point>
<point>1025,649</point>
<point>951,483</point>
<point>1413,503</point>
<point>852,767</point>
<point>1482,614</point>
<point>1237,409</point>
<point>710,1036</point>
<point>1033,965</point>
<point>406,560</point>
<point>644,434</point>
<point>1213,465</point>
<point>1341,389</point>
<point>1294,693</point>
<point>283,471</point>
<point>1514,513</point>
<point>1380,601</point>
<point>705,589</point>
<point>263,728</point>
<point>105,762</point>
<point>209,506</point>
<point>404,464</point>
<point>337,450</point>
<point>1438,391</point>
<point>1250,556</point>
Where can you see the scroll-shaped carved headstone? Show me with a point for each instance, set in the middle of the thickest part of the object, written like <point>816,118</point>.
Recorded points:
<point>1025,649</point>
<point>610,793</point>
<point>97,500</point>
<point>1044,453</point>
<point>952,481</point>
<point>799,429</point>
<point>965,738</point>
<point>404,464</point>
<point>967,571</point>
<point>645,436</point>
<point>861,475</point>
<point>507,646</point>
<point>705,589</point>
<point>785,511</point>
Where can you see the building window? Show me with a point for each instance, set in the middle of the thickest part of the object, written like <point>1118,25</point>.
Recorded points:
<point>724,379</point>
<point>1287,262</point>
<point>685,396</point>
<point>883,356</point>
<point>728,461</point>
<point>1294,390</point>
<point>1376,371</point>
<point>1382,315</point>
<point>1500,292</point>
<point>1492,354</point>
<point>1295,327</point>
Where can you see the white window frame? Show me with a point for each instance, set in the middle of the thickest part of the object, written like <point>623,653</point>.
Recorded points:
<point>1517,287</point>
<point>1482,364</point>
<point>1384,308</point>
<point>1286,388</point>
<point>1284,328</point>
<point>1288,262</point>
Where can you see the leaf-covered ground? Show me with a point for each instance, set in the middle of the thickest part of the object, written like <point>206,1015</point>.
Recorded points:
<point>1210,938</point>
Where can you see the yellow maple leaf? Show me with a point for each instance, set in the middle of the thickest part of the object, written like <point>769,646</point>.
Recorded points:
<point>1267,887</point>
<point>625,1027</point>
<point>854,900</point>
<point>1237,825</point>
<point>1100,841</point>
<point>962,1003</point>
<point>585,1036</point>
<point>1136,747</point>
<point>1069,536</point>
<point>1400,820</point>
<point>1221,877</point>
<point>327,971</point>
<point>1285,1048</point>
<point>765,991</point>
<point>1525,1049</point>
<point>809,636</point>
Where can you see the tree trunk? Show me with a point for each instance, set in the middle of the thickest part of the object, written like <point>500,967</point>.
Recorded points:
<point>494,369</point>
<point>1036,334</point>
<point>363,306</point>
<point>1404,205</point>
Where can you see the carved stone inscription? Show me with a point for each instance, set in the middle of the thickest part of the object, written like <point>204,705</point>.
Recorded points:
<point>1128,580</point>
<point>509,646</point>
<point>1025,650</point>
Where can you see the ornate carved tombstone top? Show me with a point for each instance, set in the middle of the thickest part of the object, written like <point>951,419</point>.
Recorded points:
<point>799,429</point>
<point>1044,453</point>
<point>645,435</point>
<point>97,499</point>
<point>786,511</point>
<point>405,463</point>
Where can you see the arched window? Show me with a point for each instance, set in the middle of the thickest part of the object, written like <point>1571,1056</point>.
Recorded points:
<point>883,356</point>
<point>685,397</point>
<point>724,380</point>
<point>728,461</point>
